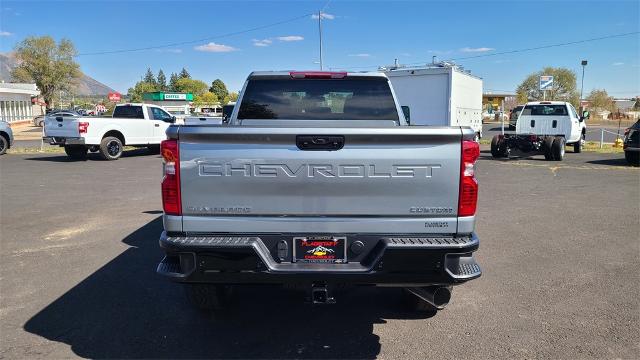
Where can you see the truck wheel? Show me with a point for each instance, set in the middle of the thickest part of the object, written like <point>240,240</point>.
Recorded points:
<point>207,297</point>
<point>76,152</point>
<point>4,144</point>
<point>547,146</point>
<point>495,147</point>
<point>633,158</point>
<point>111,148</point>
<point>154,149</point>
<point>577,146</point>
<point>416,304</point>
<point>557,149</point>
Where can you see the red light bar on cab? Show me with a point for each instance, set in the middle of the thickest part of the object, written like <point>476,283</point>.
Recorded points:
<point>317,75</point>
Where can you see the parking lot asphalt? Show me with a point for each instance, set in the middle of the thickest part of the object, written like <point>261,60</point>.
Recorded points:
<point>559,251</point>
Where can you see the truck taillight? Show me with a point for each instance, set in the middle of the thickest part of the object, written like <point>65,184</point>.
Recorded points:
<point>82,127</point>
<point>171,202</point>
<point>468,200</point>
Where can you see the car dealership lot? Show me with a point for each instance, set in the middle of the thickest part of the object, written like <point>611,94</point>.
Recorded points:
<point>559,252</point>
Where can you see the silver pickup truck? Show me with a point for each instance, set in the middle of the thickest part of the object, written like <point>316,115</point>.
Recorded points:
<point>318,182</point>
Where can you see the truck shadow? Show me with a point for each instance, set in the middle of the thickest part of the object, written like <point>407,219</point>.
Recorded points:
<point>126,310</point>
<point>92,156</point>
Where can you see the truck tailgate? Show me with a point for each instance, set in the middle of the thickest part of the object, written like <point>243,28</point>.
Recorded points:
<point>261,172</point>
<point>58,126</point>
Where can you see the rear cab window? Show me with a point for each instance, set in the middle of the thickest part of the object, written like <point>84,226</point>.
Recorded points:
<point>545,110</point>
<point>129,112</point>
<point>350,98</point>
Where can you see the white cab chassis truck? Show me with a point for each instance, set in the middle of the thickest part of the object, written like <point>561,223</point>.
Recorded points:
<point>543,127</point>
<point>439,96</point>
<point>139,125</point>
<point>316,182</point>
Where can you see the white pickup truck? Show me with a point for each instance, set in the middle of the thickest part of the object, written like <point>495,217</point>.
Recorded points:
<point>141,125</point>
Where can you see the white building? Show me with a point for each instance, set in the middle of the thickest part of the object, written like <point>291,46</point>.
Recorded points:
<point>15,101</point>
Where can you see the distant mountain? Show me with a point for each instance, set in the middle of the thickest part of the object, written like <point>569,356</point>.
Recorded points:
<point>85,86</point>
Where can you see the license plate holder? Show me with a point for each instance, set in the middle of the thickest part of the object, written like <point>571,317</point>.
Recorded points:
<point>320,249</point>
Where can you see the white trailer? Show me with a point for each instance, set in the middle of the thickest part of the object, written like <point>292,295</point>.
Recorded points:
<point>439,95</point>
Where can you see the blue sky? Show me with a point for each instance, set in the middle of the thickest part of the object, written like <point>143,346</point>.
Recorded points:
<point>356,34</point>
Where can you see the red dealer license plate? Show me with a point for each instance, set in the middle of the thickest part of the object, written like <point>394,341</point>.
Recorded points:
<point>320,249</point>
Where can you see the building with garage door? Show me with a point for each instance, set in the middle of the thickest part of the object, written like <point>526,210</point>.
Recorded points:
<point>16,102</point>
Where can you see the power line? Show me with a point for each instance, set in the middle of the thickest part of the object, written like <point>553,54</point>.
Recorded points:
<point>198,40</point>
<point>507,52</point>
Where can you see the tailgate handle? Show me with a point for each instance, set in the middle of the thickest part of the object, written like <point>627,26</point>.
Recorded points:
<point>59,118</point>
<point>320,142</point>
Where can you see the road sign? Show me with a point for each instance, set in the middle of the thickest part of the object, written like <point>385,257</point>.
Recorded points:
<point>546,82</point>
<point>114,96</point>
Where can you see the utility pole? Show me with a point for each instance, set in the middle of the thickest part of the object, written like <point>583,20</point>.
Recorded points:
<point>320,33</point>
<point>584,64</point>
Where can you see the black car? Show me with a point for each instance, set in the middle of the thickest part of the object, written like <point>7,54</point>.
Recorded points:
<point>632,144</point>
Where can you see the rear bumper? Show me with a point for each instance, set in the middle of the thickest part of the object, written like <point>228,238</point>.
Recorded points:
<point>263,259</point>
<point>58,140</point>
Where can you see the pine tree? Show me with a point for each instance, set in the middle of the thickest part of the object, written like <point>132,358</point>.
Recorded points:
<point>162,81</point>
<point>149,77</point>
<point>184,74</point>
<point>173,82</point>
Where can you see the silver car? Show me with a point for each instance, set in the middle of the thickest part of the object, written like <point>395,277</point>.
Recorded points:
<point>6,137</point>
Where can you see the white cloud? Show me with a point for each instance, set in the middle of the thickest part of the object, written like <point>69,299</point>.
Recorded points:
<point>5,33</point>
<point>475,50</point>
<point>213,47</point>
<point>290,38</point>
<point>262,43</point>
<point>324,16</point>
<point>360,55</point>
<point>617,64</point>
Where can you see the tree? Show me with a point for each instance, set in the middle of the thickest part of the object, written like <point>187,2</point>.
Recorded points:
<point>135,93</point>
<point>173,81</point>
<point>219,88</point>
<point>149,77</point>
<point>601,101</point>
<point>184,74</point>
<point>161,80</point>
<point>196,87</point>
<point>563,89</point>
<point>49,65</point>
<point>208,98</point>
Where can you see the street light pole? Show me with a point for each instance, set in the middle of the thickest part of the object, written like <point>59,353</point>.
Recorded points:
<point>584,64</point>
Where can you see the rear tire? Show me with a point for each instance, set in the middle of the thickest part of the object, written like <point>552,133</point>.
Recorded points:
<point>495,147</point>
<point>416,304</point>
<point>76,152</point>
<point>547,147</point>
<point>207,297</point>
<point>154,149</point>
<point>633,158</point>
<point>111,148</point>
<point>4,145</point>
<point>577,146</point>
<point>558,148</point>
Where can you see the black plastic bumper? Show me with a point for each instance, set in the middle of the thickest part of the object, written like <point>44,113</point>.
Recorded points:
<point>263,259</point>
